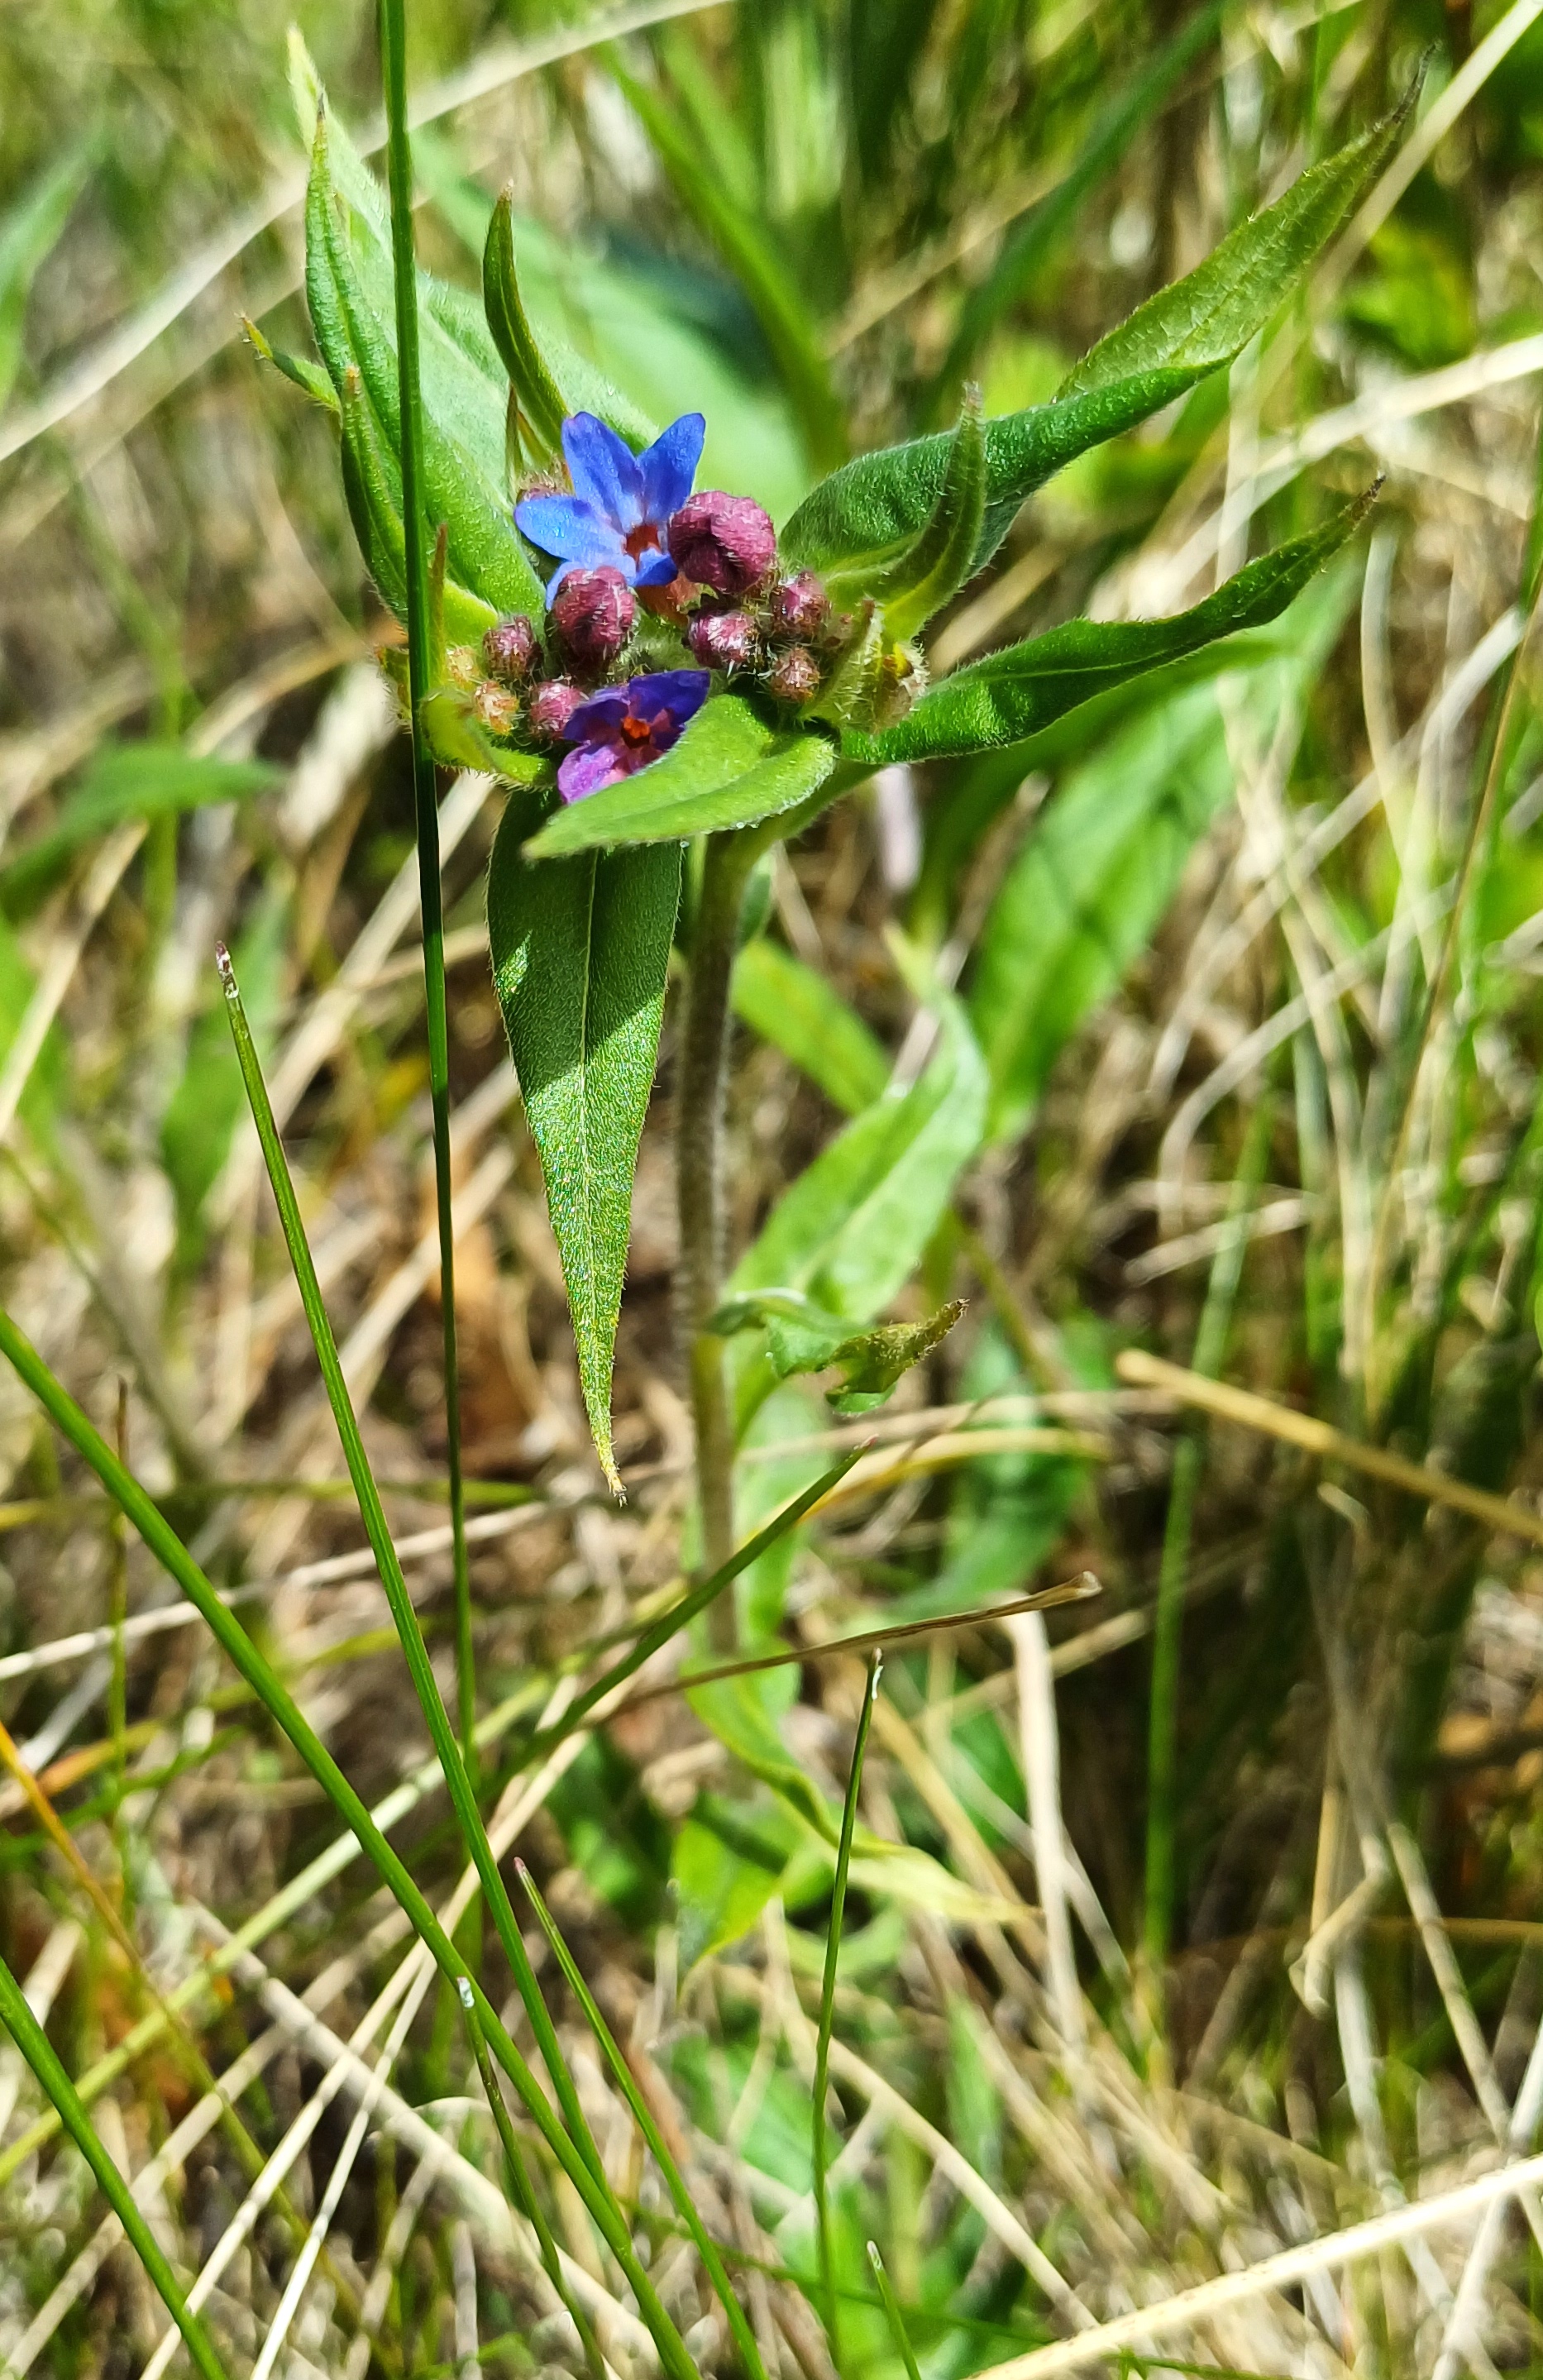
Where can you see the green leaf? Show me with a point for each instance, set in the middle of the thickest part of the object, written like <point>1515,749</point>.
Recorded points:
<point>1092,883</point>
<point>851,1230</point>
<point>729,769</point>
<point>29,232</point>
<point>349,293</point>
<point>1014,693</point>
<point>540,402</point>
<point>580,950</point>
<point>126,780</point>
<point>864,514</point>
<point>751,249</point>
<point>730,1857</point>
<point>802,1337</point>
<point>801,1014</point>
<point>1209,316</point>
<point>930,572</point>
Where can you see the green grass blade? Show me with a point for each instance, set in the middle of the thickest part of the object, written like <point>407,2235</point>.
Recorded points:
<point>393,68</point>
<point>686,2206</point>
<point>238,1648</point>
<point>521,2188</point>
<point>896,2319</point>
<point>828,2002</point>
<point>43,2060</point>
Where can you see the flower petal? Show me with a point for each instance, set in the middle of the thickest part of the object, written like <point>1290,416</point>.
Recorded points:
<point>586,770</point>
<point>669,466</point>
<point>604,469</point>
<point>568,527</point>
<point>656,569</point>
<point>598,716</point>
<point>680,693</point>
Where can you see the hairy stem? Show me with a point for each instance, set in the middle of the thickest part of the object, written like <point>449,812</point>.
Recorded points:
<point>699,1191</point>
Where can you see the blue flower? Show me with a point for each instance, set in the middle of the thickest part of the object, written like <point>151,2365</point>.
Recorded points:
<point>622,728</point>
<point>621,502</point>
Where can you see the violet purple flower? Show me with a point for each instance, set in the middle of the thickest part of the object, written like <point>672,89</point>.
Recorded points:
<point>621,502</point>
<point>622,728</point>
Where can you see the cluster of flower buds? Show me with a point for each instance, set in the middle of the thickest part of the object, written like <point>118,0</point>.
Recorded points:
<point>734,610</point>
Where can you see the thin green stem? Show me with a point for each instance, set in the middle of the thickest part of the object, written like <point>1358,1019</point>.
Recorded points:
<point>521,2188</point>
<point>699,1192</point>
<point>896,2319</point>
<point>42,2056</point>
<point>622,2074</point>
<point>828,2005</point>
<point>238,1648</point>
<point>393,67</point>
<point>1162,1736</point>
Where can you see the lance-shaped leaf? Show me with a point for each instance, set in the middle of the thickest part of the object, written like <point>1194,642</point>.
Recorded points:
<point>932,571</point>
<point>580,950</point>
<point>462,412</point>
<point>729,769</point>
<point>373,486</point>
<point>864,515</point>
<point>802,1336</point>
<point>1013,694</point>
<point>539,402</point>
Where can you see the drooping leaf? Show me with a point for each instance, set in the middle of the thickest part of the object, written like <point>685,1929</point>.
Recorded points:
<point>801,1336</point>
<point>1012,694</point>
<point>580,950</point>
<point>1093,881</point>
<point>866,512</point>
<point>126,780</point>
<point>801,1014</point>
<point>729,769</point>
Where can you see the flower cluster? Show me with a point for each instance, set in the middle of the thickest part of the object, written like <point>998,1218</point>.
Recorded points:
<point>645,566</point>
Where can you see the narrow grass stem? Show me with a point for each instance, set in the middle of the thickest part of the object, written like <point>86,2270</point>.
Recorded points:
<point>828,2004</point>
<point>393,67</point>
<point>238,1648</point>
<point>892,2314</point>
<point>699,1191</point>
<point>521,2189</point>
<point>622,2075</point>
<point>43,2060</point>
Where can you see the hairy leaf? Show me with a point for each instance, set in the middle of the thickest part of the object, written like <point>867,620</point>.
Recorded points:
<point>863,515</point>
<point>801,1336</point>
<point>580,950</point>
<point>1014,693</point>
<point>729,769</point>
<point>540,401</point>
<point>932,571</point>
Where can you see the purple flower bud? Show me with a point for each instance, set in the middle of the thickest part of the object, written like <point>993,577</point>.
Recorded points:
<point>553,705</point>
<point>592,612</point>
<point>509,649</point>
<point>800,606</point>
<point>797,675</point>
<point>724,640</point>
<point>725,543</point>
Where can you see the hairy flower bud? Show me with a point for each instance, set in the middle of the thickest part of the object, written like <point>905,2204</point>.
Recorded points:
<point>551,705</point>
<point>724,640</point>
<point>496,707</point>
<point>800,606</point>
<point>592,612</point>
<point>795,676</point>
<point>509,649</point>
<point>725,543</point>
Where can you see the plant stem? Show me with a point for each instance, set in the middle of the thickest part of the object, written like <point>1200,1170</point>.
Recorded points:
<point>393,67</point>
<point>828,2008</point>
<point>699,1191</point>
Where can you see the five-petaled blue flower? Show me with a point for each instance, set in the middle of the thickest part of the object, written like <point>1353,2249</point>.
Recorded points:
<point>622,728</point>
<point>621,502</point>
